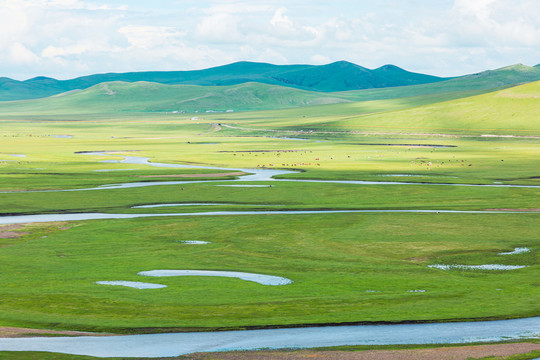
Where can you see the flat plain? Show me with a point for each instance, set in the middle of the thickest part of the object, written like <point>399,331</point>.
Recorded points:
<point>466,167</point>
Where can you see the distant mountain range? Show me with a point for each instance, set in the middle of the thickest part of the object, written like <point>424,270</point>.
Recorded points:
<point>338,76</point>
<point>243,86</point>
<point>144,97</point>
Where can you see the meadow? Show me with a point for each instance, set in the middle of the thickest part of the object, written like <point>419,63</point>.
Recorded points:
<point>345,267</point>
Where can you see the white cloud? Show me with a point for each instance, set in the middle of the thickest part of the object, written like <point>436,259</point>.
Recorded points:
<point>13,21</point>
<point>271,56</point>
<point>280,21</point>
<point>219,27</point>
<point>497,22</point>
<point>319,59</point>
<point>18,53</point>
<point>284,29</point>
<point>480,9</point>
<point>66,37</point>
<point>148,37</point>
<point>237,7</point>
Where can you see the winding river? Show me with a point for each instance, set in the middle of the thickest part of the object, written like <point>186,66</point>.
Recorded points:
<point>21,219</point>
<point>257,174</point>
<point>164,345</point>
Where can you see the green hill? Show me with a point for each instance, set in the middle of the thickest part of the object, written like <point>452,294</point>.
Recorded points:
<point>114,97</point>
<point>343,76</point>
<point>510,111</point>
<point>486,80</point>
<point>339,76</point>
<point>133,97</point>
<point>15,90</point>
<point>386,82</point>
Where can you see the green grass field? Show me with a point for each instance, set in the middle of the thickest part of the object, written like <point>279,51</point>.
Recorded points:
<point>349,267</point>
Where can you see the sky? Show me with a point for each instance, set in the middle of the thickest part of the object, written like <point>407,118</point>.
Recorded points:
<point>69,38</point>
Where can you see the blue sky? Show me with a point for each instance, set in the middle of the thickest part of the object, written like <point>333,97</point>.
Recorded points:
<point>68,38</point>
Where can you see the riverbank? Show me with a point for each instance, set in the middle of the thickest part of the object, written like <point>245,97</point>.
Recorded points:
<point>501,351</point>
<point>433,353</point>
<point>17,332</point>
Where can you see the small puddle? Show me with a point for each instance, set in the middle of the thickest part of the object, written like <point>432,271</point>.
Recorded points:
<point>287,138</point>
<point>478,267</point>
<point>516,251</point>
<point>107,170</point>
<point>62,136</point>
<point>132,284</point>
<point>179,204</point>
<point>259,186</point>
<point>194,242</point>
<point>258,278</point>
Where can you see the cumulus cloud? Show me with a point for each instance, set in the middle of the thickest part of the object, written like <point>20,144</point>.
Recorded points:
<point>284,29</point>
<point>319,59</point>
<point>481,9</point>
<point>497,22</point>
<point>18,53</point>
<point>147,37</point>
<point>219,27</point>
<point>66,38</point>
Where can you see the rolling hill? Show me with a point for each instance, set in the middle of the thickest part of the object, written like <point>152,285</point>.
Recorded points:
<point>339,76</point>
<point>488,80</point>
<point>114,97</point>
<point>344,76</point>
<point>142,96</point>
<point>511,111</point>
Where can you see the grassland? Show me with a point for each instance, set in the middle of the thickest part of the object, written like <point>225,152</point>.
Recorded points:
<point>339,275</point>
<point>127,95</point>
<point>345,267</point>
<point>501,351</point>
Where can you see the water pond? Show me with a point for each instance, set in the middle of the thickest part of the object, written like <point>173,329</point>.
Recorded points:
<point>194,242</point>
<point>499,267</point>
<point>258,278</point>
<point>177,204</point>
<point>132,284</point>
<point>519,250</point>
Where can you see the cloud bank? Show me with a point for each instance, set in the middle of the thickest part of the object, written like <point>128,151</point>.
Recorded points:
<point>67,38</point>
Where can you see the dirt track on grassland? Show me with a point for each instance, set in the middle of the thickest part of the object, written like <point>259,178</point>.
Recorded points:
<point>444,353</point>
<point>7,233</point>
<point>14,332</point>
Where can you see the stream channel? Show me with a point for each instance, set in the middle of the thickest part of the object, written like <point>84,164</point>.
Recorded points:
<point>162,345</point>
<point>173,344</point>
